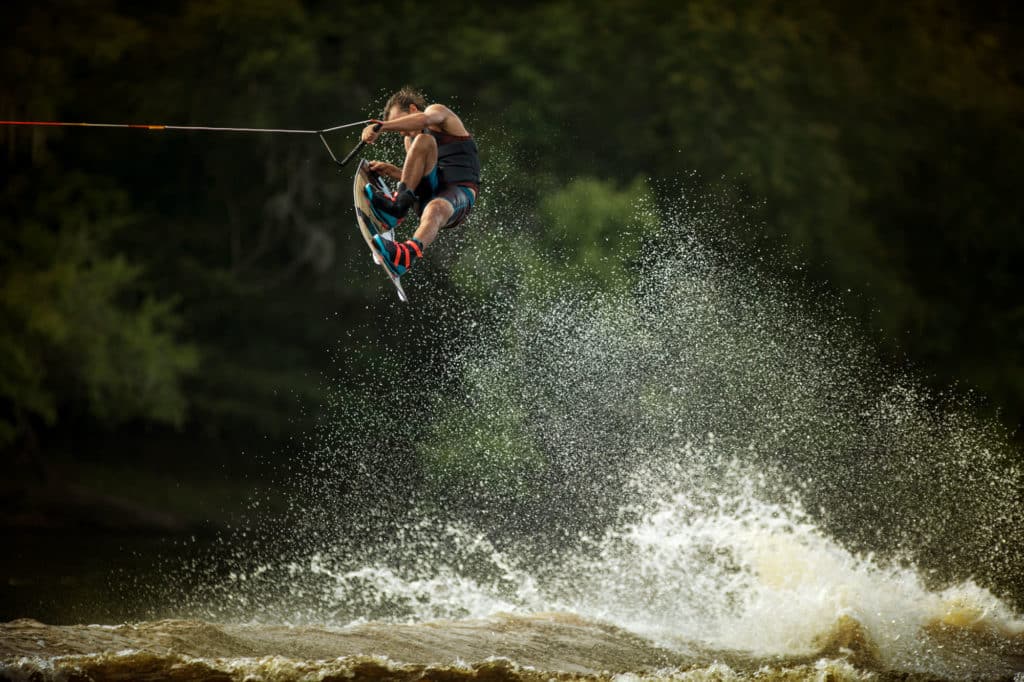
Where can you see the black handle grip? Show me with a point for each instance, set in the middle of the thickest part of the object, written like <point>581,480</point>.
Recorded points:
<point>358,148</point>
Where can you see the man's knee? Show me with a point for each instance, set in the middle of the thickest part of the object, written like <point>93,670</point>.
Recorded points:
<point>437,212</point>
<point>423,144</point>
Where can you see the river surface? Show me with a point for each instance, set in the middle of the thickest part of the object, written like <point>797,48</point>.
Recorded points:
<point>697,477</point>
<point>740,589</point>
<point>504,646</point>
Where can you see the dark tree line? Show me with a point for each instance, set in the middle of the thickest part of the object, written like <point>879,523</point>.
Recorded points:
<point>204,283</point>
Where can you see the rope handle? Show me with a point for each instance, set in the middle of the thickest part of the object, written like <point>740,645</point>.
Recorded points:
<point>355,150</point>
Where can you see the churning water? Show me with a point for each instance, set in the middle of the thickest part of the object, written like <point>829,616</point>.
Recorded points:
<point>694,476</point>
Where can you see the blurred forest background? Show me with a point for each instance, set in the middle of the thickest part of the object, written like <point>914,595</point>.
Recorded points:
<point>174,304</point>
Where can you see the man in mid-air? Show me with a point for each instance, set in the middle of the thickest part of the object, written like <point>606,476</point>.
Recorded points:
<point>440,176</point>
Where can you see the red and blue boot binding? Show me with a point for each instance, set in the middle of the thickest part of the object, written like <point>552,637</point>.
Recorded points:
<point>398,257</point>
<point>390,210</point>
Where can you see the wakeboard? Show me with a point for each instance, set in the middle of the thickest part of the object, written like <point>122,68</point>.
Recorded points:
<point>368,224</point>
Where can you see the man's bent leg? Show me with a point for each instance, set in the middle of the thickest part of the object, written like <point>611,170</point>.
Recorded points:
<point>391,210</point>
<point>437,214</point>
<point>399,257</point>
<point>422,156</point>
<point>451,208</point>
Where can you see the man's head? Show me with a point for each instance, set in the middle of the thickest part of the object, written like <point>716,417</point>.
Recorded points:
<point>406,101</point>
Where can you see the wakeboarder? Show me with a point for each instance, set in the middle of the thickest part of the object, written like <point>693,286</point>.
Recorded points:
<point>440,176</point>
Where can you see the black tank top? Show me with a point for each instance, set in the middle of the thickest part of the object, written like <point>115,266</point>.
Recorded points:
<point>458,159</point>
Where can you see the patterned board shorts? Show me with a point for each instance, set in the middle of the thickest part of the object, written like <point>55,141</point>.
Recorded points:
<point>460,197</point>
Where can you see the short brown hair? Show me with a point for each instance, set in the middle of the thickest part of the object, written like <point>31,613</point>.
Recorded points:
<point>403,98</point>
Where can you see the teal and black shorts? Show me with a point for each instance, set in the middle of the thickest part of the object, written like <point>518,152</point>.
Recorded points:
<point>460,197</point>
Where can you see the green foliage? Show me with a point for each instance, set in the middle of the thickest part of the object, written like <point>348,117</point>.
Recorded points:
<point>78,332</point>
<point>44,47</point>
<point>878,146</point>
<point>476,453</point>
<point>594,227</point>
<point>478,274</point>
<point>589,230</point>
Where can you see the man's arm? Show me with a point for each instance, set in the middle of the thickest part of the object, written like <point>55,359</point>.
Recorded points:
<point>386,169</point>
<point>436,115</point>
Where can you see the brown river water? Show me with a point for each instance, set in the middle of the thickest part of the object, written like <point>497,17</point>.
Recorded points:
<point>696,479</point>
<point>511,647</point>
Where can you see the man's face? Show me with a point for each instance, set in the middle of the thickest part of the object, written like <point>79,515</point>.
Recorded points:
<point>398,112</point>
